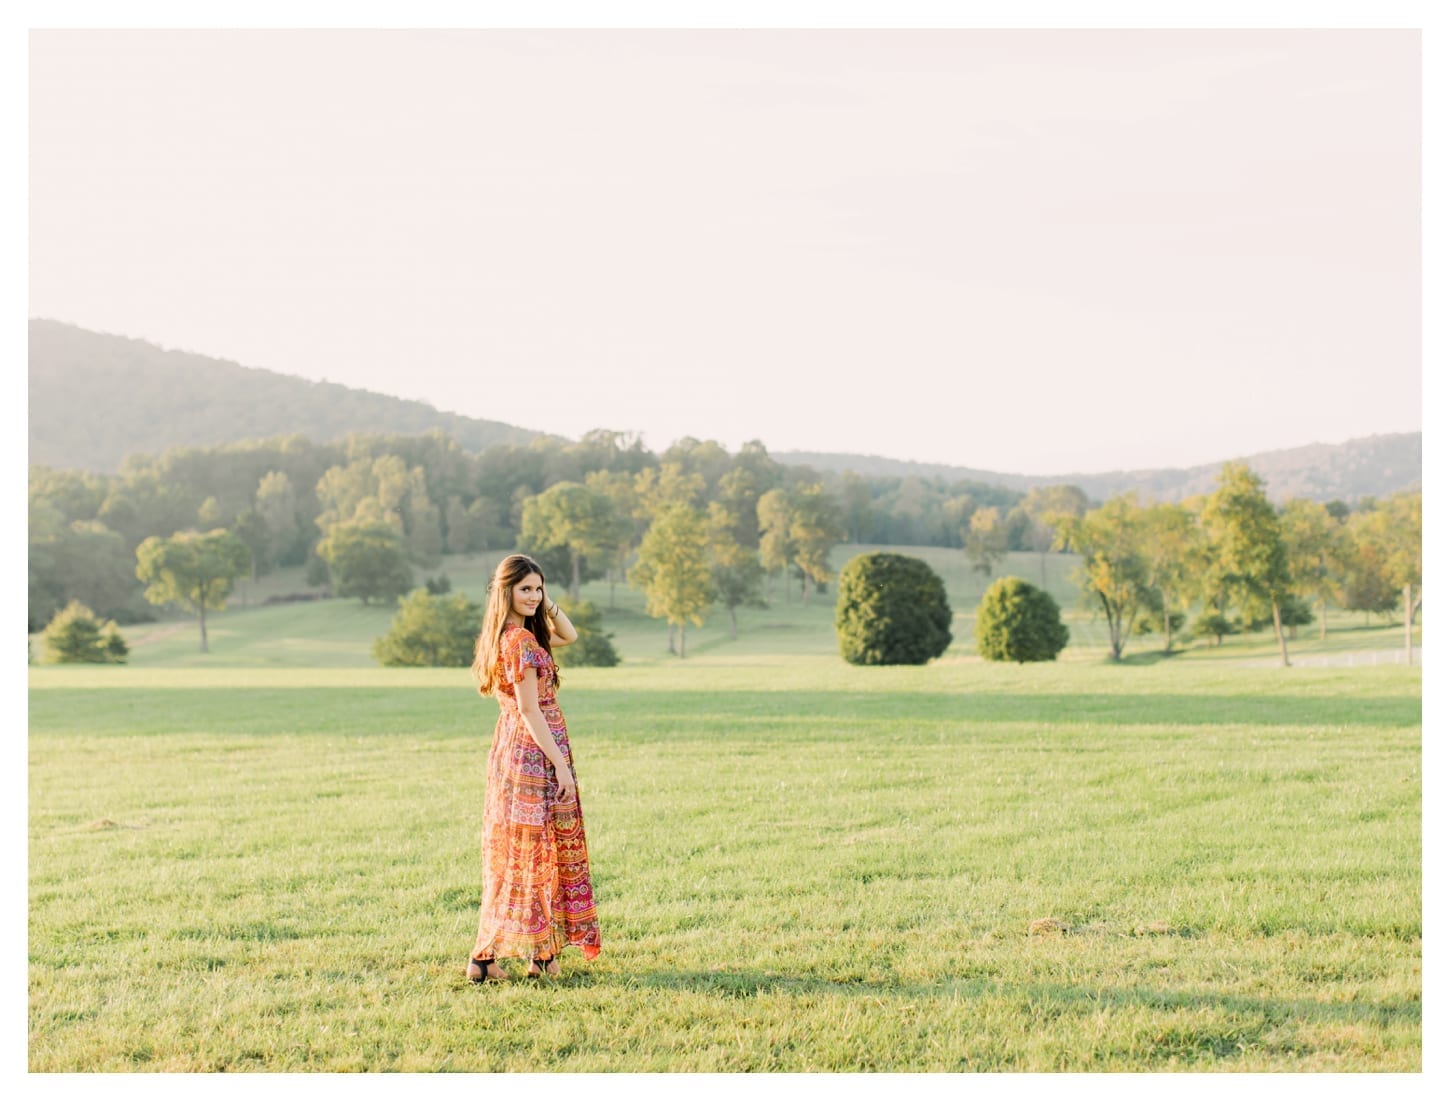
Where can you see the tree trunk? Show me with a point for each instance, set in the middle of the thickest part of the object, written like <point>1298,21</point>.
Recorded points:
<point>805,587</point>
<point>733,634</point>
<point>1409,625</point>
<point>682,640</point>
<point>204,650</point>
<point>1115,644</point>
<point>672,639</point>
<point>1167,629</point>
<point>1279,631</point>
<point>1323,619</point>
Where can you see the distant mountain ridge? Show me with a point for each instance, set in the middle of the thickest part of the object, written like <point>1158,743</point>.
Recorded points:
<point>1370,466</point>
<point>96,398</point>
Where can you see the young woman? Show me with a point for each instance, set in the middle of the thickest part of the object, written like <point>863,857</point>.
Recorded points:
<point>537,896</point>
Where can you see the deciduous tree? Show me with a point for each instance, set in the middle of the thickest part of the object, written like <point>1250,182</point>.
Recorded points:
<point>193,569</point>
<point>773,512</point>
<point>815,528</point>
<point>1243,530</point>
<point>571,516</point>
<point>1315,544</point>
<point>1112,573</point>
<point>985,539</point>
<point>1169,536</point>
<point>735,568</point>
<point>674,569</point>
<point>366,560</point>
<point>1394,533</point>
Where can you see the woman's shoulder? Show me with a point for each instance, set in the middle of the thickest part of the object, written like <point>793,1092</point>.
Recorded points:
<point>517,633</point>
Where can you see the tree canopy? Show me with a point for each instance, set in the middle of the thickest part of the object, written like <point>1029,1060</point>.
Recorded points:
<point>192,569</point>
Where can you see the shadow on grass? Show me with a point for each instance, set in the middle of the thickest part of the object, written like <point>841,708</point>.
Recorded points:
<point>1148,657</point>
<point>685,714</point>
<point>1238,1020</point>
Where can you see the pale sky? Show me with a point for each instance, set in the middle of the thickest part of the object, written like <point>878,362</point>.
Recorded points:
<point>1030,251</point>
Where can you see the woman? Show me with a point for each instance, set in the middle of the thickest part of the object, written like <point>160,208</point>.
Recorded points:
<point>537,896</point>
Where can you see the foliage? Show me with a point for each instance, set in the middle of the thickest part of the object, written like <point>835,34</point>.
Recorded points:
<point>1215,625</point>
<point>366,560</point>
<point>735,567</point>
<point>673,568</point>
<point>384,489</point>
<point>773,514</point>
<point>82,560</point>
<point>593,647</point>
<point>1113,572</point>
<point>192,569</point>
<point>431,630</point>
<point>573,517</point>
<point>1170,542</point>
<point>1316,546</point>
<point>985,540</point>
<point>77,635</point>
<point>439,585</point>
<point>252,530</point>
<point>1244,534</point>
<point>1391,537</point>
<point>1017,621</point>
<point>891,609</point>
<point>815,527</point>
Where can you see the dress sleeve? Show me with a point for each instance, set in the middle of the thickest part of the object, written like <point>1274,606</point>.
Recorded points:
<point>520,651</point>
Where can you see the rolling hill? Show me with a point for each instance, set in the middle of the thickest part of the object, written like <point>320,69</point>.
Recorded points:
<point>96,398</point>
<point>1371,466</point>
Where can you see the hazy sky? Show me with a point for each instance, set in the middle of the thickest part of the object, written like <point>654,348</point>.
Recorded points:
<point>1031,251</point>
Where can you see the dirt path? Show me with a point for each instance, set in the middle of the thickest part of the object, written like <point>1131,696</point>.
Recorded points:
<point>1352,657</point>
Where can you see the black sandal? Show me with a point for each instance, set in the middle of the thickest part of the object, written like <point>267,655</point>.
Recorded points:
<point>543,967</point>
<point>478,970</point>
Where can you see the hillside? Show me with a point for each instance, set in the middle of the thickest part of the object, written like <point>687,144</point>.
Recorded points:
<point>96,398</point>
<point>1372,466</point>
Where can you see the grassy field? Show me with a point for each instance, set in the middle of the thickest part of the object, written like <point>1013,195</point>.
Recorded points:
<point>265,858</point>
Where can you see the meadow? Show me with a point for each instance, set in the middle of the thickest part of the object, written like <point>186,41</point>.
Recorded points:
<point>265,857</point>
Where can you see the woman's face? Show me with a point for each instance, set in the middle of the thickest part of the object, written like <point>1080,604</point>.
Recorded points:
<point>527,594</point>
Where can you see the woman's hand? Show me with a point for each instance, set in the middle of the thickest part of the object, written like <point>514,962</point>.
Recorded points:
<point>567,788</point>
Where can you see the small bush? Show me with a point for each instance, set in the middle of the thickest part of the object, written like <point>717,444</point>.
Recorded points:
<point>431,631</point>
<point>1214,625</point>
<point>593,646</point>
<point>76,635</point>
<point>1017,621</point>
<point>891,610</point>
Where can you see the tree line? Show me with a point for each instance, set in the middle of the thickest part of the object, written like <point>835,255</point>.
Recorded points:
<point>292,502</point>
<point>692,527</point>
<point>1242,563</point>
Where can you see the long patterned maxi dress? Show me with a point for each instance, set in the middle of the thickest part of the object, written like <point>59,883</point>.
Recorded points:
<point>537,896</point>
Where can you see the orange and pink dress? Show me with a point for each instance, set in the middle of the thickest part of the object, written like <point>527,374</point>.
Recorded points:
<point>537,895</point>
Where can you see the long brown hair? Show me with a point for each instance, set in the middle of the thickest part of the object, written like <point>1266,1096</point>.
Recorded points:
<point>510,572</point>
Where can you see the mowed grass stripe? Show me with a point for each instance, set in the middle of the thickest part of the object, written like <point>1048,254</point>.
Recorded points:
<point>800,867</point>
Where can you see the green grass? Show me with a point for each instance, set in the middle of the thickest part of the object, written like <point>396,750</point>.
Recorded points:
<point>266,858</point>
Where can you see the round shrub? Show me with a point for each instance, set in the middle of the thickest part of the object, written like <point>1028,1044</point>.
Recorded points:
<point>891,610</point>
<point>1017,621</point>
<point>75,634</point>
<point>430,630</point>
